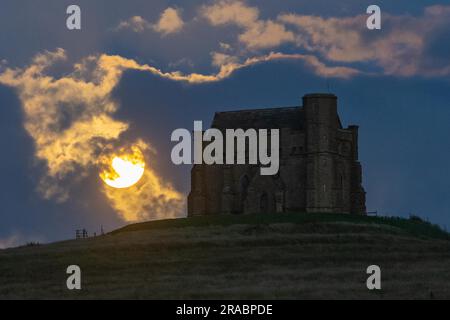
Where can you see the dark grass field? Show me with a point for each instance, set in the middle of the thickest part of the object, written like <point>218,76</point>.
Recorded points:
<point>276,256</point>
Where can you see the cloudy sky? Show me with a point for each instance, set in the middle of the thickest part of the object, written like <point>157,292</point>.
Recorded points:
<point>139,69</point>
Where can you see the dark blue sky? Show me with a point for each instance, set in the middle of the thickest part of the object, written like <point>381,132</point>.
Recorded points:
<point>394,83</point>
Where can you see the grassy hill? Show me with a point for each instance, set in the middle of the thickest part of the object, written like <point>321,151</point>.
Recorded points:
<point>287,256</point>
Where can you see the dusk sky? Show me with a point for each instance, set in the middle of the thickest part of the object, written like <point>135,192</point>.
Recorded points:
<point>139,69</point>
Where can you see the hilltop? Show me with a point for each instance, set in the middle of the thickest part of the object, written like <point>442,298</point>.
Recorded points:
<point>270,256</point>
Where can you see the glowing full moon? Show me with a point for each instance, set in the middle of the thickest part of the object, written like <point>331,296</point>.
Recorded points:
<point>122,169</point>
<point>128,173</point>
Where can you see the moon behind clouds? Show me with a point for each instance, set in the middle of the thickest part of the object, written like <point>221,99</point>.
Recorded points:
<point>126,174</point>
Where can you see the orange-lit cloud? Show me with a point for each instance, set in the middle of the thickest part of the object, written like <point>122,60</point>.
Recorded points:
<point>135,23</point>
<point>399,48</point>
<point>169,22</point>
<point>149,199</point>
<point>257,33</point>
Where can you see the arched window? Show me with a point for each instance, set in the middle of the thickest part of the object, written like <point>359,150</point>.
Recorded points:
<point>264,203</point>
<point>341,177</point>
<point>244,183</point>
